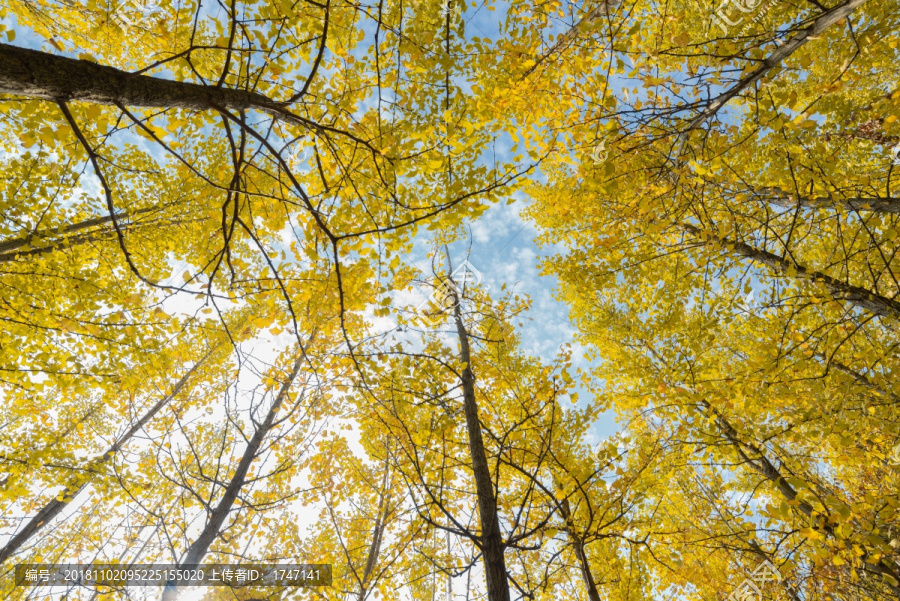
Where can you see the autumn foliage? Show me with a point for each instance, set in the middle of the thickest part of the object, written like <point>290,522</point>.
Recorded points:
<point>208,213</point>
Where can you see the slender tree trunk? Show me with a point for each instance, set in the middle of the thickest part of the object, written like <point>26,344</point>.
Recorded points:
<point>578,545</point>
<point>761,463</point>
<point>8,245</point>
<point>53,508</point>
<point>492,547</point>
<point>74,241</point>
<point>823,22</point>
<point>35,74</point>
<point>384,500</point>
<point>70,242</point>
<point>862,298</point>
<point>601,10</point>
<point>216,519</point>
<point>857,203</point>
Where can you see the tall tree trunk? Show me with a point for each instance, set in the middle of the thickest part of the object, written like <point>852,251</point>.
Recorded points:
<point>862,298</point>
<point>35,74</point>
<point>74,241</point>
<point>384,500</point>
<point>216,519</point>
<point>53,508</point>
<point>823,22</point>
<point>578,544</point>
<point>584,25</point>
<point>761,463</point>
<point>57,238</point>
<point>492,547</point>
<point>857,203</point>
<point>8,245</point>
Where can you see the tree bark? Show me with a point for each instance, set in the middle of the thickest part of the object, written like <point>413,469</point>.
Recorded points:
<point>8,245</point>
<point>200,546</point>
<point>857,203</point>
<point>824,21</point>
<point>74,241</point>
<point>35,74</point>
<point>782,52</point>
<point>384,500</point>
<point>492,547</point>
<point>860,297</point>
<point>767,469</point>
<point>52,509</point>
<point>578,545</point>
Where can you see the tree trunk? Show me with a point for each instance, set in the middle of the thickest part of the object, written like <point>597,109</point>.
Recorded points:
<point>857,203</point>
<point>767,469</point>
<point>35,74</point>
<point>74,241</point>
<point>862,298</point>
<point>52,509</point>
<point>601,10</point>
<point>384,500</point>
<point>200,546</point>
<point>492,547</point>
<point>578,545</point>
<point>822,23</point>
<point>8,245</point>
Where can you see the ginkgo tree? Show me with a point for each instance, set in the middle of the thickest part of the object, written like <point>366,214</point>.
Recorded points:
<point>736,223</point>
<point>185,182</point>
<point>489,448</point>
<point>132,157</point>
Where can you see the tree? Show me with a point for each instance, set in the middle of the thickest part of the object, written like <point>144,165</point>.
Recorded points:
<point>147,128</point>
<point>476,430</point>
<point>55,458</point>
<point>218,511</point>
<point>53,507</point>
<point>709,377</point>
<point>202,208</point>
<point>739,232</point>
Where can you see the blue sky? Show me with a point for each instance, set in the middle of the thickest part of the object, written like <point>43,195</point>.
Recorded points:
<point>504,251</point>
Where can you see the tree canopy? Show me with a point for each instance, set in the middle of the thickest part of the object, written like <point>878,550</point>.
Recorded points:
<point>210,221</point>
